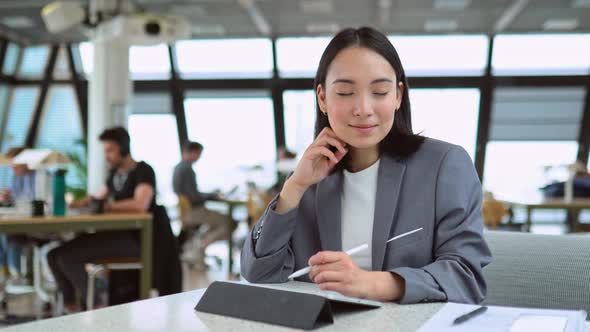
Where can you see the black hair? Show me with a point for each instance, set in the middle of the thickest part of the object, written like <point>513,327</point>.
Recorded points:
<point>400,141</point>
<point>120,136</point>
<point>192,147</point>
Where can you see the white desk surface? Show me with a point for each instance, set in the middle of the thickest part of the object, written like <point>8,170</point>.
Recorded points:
<point>176,313</point>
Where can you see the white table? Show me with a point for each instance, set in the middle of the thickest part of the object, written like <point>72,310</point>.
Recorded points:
<point>176,313</point>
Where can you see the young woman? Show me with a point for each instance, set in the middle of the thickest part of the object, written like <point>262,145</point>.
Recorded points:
<point>367,178</point>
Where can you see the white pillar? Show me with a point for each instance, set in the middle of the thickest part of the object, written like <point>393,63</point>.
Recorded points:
<point>109,90</point>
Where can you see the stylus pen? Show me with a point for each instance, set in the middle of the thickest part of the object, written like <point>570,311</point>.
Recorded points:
<point>351,252</point>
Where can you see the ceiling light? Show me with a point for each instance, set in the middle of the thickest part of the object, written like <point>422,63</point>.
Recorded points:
<point>17,22</point>
<point>451,4</point>
<point>441,25</point>
<point>560,24</point>
<point>316,6</point>
<point>315,28</point>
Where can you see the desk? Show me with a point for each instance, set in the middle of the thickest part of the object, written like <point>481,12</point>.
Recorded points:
<point>100,222</point>
<point>572,207</point>
<point>231,205</point>
<point>176,313</point>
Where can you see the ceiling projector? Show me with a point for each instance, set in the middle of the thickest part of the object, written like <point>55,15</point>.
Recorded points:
<point>144,29</point>
<point>138,28</point>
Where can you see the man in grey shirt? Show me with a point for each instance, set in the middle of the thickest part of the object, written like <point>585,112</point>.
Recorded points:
<point>212,226</point>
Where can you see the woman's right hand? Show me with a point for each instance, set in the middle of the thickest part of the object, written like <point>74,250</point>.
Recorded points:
<point>318,160</point>
<point>315,164</point>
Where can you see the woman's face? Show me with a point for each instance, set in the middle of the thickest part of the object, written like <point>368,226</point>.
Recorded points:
<point>360,97</point>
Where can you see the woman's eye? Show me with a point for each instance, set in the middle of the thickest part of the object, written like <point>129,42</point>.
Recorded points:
<point>342,94</point>
<point>381,94</point>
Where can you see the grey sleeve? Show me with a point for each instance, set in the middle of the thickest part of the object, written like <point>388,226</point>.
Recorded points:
<point>185,183</point>
<point>460,250</point>
<point>269,259</point>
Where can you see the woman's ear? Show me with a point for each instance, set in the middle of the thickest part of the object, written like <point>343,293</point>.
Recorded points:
<point>400,95</point>
<point>321,96</point>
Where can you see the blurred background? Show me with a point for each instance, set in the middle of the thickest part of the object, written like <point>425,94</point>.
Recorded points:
<point>508,80</point>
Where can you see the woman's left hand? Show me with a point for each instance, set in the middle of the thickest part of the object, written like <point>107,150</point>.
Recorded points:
<point>335,271</point>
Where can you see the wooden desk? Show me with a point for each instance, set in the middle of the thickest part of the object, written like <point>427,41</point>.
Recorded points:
<point>573,207</point>
<point>176,313</point>
<point>99,222</point>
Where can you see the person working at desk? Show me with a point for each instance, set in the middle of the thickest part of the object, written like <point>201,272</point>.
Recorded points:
<point>21,192</point>
<point>130,188</point>
<point>367,178</point>
<point>184,182</point>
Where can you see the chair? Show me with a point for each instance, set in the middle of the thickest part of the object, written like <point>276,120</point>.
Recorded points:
<point>256,205</point>
<point>184,206</point>
<point>493,211</point>
<point>108,264</point>
<point>539,271</point>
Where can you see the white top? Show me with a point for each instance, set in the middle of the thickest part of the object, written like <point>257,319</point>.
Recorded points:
<point>358,211</point>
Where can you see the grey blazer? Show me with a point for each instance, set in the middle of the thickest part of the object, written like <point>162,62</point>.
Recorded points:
<point>436,188</point>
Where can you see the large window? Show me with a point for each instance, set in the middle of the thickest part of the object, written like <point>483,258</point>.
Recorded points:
<point>454,55</point>
<point>149,62</point>
<point>543,54</point>
<point>536,114</point>
<point>21,109</point>
<point>3,99</point>
<point>516,170</point>
<point>530,128</point>
<point>11,59</point>
<point>458,55</point>
<point>62,67</point>
<point>300,57</point>
<point>34,61</point>
<point>145,62</point>
<point>447,114</point>
<point>225,58</point>
<point>61,128</point>
<point>160,151</point>
<point>238,136</point>
<point>299,119</point>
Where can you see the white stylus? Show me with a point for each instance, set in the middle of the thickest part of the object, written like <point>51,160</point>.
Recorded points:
<point>351,252</point>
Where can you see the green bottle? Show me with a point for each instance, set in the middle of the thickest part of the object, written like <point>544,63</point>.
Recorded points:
<point>59,192</point>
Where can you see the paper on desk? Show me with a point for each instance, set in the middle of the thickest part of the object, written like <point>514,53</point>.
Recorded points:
<point>505,319</point>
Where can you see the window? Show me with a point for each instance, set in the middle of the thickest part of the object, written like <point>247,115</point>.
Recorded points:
<point>3,99</point>
<point>299,119</point>
<point>515,170</point>
<point>237,134</point>
<point>420,55</point>
<point>300,57</point>
<point>62,67</point>
<point>149,62</point>
<point>161,151</point>
<point>225,58</point>
<point>60,128</point>
<point>34,61</point>
<point>145,62</point>
<point>21,109</point>
<point>86,51</point>
<point>447,114</point>
<point>11,59</point>
<point>542,54</point>
<point>458,55</point>
<point>536,114</point>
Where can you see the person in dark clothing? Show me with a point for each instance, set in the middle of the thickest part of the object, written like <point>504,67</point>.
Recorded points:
<point>217,225</point>
<point>130,187</point>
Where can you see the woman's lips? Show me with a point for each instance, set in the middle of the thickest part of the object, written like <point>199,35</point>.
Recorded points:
<point>364,129</point>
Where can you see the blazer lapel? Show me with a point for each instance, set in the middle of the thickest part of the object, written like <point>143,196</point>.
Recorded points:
<point>390,177</point>
<point>329,212</point>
